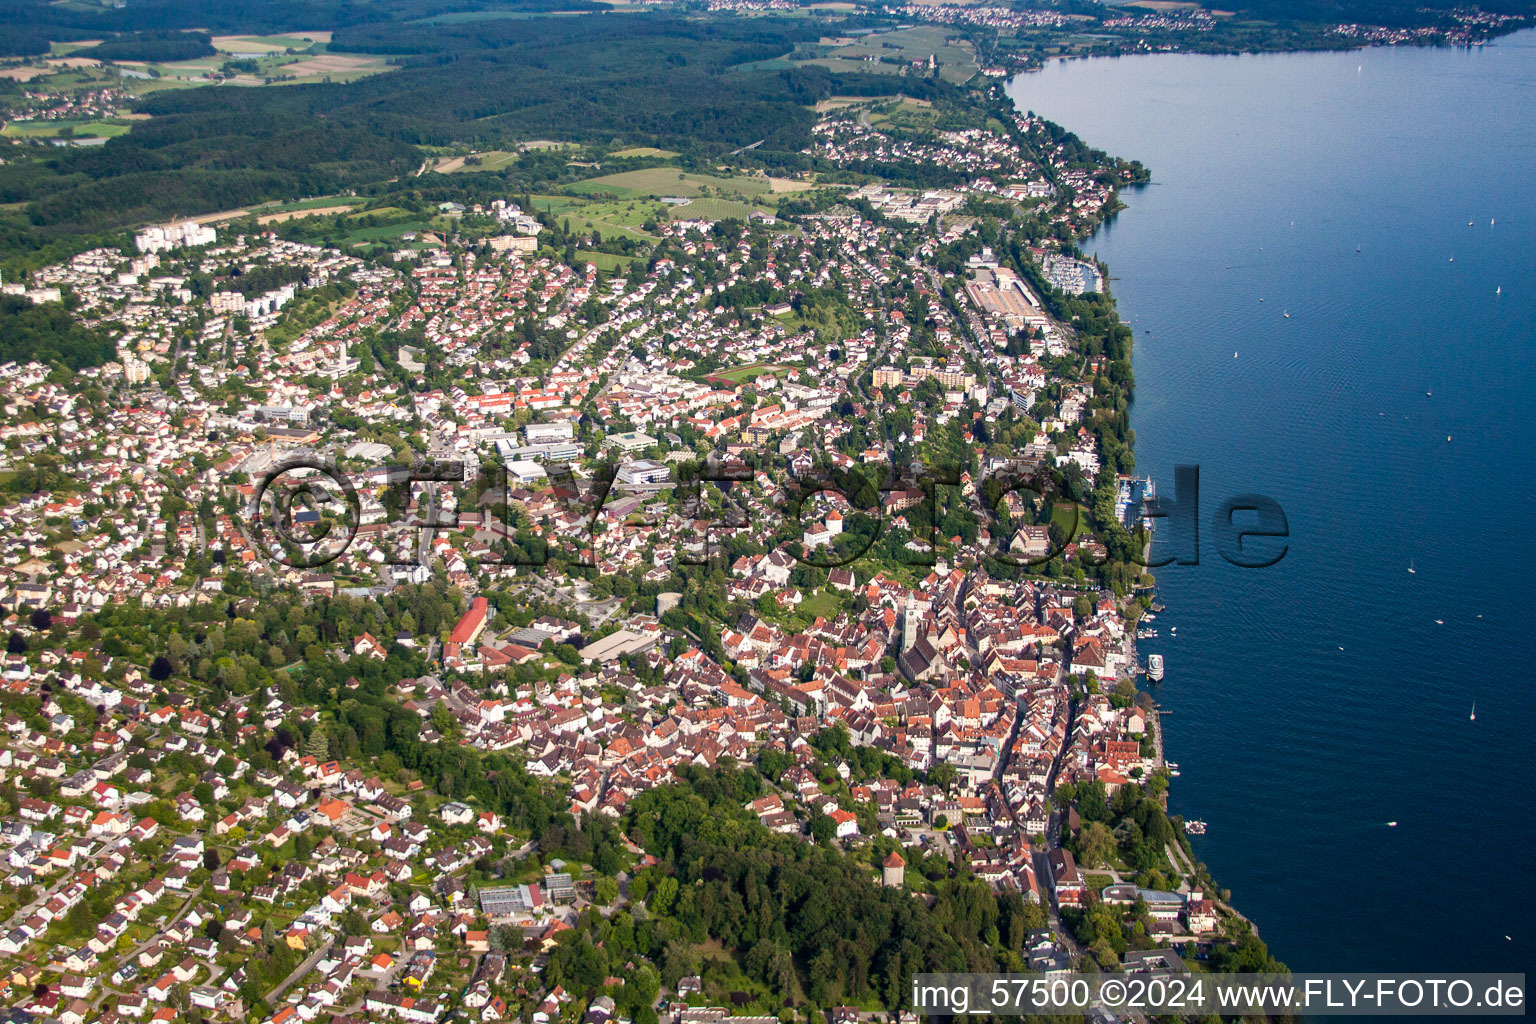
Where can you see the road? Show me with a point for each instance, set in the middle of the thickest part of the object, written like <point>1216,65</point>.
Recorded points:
<point>298,972</point>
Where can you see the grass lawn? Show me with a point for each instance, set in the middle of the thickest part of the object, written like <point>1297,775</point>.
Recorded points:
<point>668,181</point>
<point>824,603</point>
<point>606,261</point>
<point>608,217</point>
<point>746,373</point>
<point>1062,516</point>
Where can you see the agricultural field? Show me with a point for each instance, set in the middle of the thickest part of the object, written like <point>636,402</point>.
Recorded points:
<point>715,209</point>
<point>491,160</point>
<point>74,129</point>
<point>243,45</point>
<point>608,217</point>
<point>278,60</point>
<point>317,208</point>
<point>957,59</point>
<point>668,181</point>
<point>640,151</point>
<point>906,113</point>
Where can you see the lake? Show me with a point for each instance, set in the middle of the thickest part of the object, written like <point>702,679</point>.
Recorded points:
<point>1315,701</point>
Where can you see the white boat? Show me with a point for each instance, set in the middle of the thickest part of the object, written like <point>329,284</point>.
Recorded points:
<point>1154,667</point>
<point>1473,716</point>
<point>1391,824</point>
<point>1410,566</point>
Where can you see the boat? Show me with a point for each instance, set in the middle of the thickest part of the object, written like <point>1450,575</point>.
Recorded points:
<point>1473,716</point>
<point>1410,566</point>
<point>1429,394</point>
<point>1469,223</point>
<point>1439,622</point>
<point>1391,824</point>
<point>1154,667</point>
<point>1497,291</point>
<point>1286,315</point>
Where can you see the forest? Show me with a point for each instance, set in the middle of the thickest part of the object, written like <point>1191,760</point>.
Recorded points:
<point>799,918</point>
<point>153,46</point>
<point>48,334</point>
<point>641,78</point>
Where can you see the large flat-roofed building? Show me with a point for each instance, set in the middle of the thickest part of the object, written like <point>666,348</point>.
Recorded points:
<point>633,441</point>
<point>549,433</point>
<point>506,900</point>
<point>616,644</point>
<point>643,473</point>
<point>559,888</point>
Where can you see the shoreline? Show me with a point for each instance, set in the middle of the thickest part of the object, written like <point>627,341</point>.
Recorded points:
<point>1191,867</point>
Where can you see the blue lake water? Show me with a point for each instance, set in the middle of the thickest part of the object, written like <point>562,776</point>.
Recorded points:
<point>1268,173</point>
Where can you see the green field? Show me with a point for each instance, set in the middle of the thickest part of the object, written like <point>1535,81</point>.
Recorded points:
<point>1065,517</point>
<point>282,42</point>
<point>824,603</point>
<point>52,129</point>
<point>957,59</point>
<point>667,181</point>
<point>608,262</point>
<point>608,217</point>
<point>318,202</point>
<point>714,209</point>
<point>638,151</point>
<point>745,373</point>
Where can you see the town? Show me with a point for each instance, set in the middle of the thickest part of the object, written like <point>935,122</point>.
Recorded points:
<point>687,556</point>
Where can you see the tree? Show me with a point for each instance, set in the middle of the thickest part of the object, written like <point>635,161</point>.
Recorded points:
<point>318,747</point>
<point>160,669</point>
<point>605,890</point>
<point>442,718</point>
<point>1096,845</point>
<point>823,829</point>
